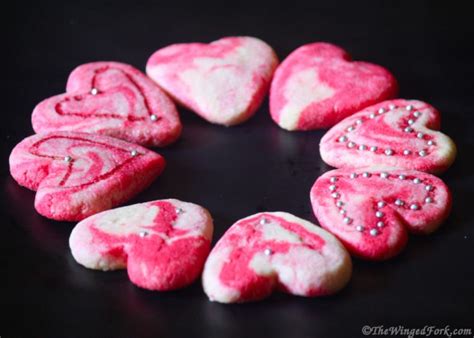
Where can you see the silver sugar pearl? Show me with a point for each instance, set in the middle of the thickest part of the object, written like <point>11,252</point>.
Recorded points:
<point>374,232</point>
<point>143,233</point>
<point>414,206</point>
<point>350,128</point>
<point>372,115</point>
<point>366,175</point>
<point>392,106</point>
<point>94,91</point>
<point>353,175</point>
<point>406,152</point>
<point>264,221</point>
<point>359,121</point>
<point>373,148</point>
<point>67,158</point>
<point>347,220</point>
<point>379,214</point>
<point>420,135</point>
<point>417,114</point>
<point>380,224</point>
<point>134,153</point>
<point>268,252</point>
<point>388,152</point>
<point>428,187</point>
<point>342,212</point>
<point>384,174</point>
<point>335,195</point>
<point>360,228</point>
<point>410,122</point>
<point>416,181</point>
<point>340,203</point>
<point>179,210</point>
<point>381,204</point>
<point>408,130</point>
<point>332,187</point>
<point>399,202</point>
<point>428,200</point>
<point>351,144</point>
<point>362,147</point>
<point>430,143</point>
<point>381,110</point>
<point>333,179</point>
<point>343,138</point>
<point>409,107</point>
<point>153,117</point>
<point>402,177</point>
<point>422,153</point>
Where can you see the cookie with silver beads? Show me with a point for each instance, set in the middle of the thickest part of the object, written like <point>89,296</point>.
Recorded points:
<point>114,99</point>
<point>163,244</point>
<point>272,251</point>
<point>79,174</point>
<point>400,133</point>
<point>372,210</point>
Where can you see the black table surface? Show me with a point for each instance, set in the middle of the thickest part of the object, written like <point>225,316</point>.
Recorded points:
<point>235,172</point>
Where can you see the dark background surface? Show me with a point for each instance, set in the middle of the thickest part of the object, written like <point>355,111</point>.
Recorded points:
<point>235,172</point>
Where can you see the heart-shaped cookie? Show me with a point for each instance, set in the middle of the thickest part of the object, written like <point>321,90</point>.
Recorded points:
<point>163,244</point>
<point>371,210</point>
<point>224,81</point>
<point>398,133</point>
<point>275,250</point>
<point>113,99</point>
<point>79,174</point>
<point>318,85</point>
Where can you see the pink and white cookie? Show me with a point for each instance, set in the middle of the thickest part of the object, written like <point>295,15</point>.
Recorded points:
<point>275,251</point>
<point>372,210</point>
<point>78,174</point>
<point>318,85</point>
<point>113,99</point>
<point>163,244</point>
<point>224,81</point>
<point>399,133</point>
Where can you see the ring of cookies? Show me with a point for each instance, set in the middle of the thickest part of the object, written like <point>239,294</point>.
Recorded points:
<point>88,157</point>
